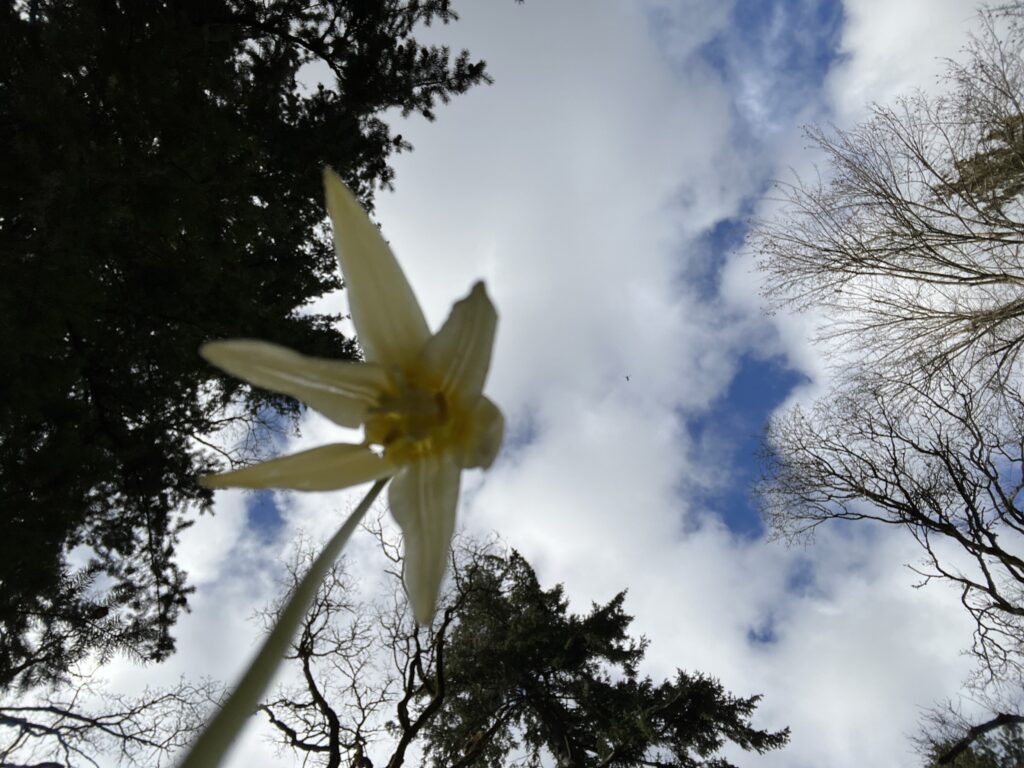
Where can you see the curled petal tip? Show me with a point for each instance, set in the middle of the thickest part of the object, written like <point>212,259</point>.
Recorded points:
<point>485,436</point>
<point>209,350</point>
<point>460,352</point>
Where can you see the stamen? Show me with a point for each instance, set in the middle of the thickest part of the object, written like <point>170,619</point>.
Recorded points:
<point>411,421</point>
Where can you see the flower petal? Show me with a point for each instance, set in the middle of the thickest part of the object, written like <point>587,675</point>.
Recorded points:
<point>482,436</point>
<point>388,319</point>
<point>327,468</point>
<point>461,351</point>
<point>423,498</point>
<point>341,390</point>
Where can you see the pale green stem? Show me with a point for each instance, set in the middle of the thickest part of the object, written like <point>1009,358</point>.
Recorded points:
<point>208,750</point>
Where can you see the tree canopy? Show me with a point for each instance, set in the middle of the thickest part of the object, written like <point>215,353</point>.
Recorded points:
<point>83,721</point>
<point>161,188</point>
<point>520,668</point>
<point>949,470</point>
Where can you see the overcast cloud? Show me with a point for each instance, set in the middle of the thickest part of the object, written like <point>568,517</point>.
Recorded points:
<point>591,187</point>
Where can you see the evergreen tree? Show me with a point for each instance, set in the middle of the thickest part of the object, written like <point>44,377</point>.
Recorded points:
<point>161,187</point>
<point>521,670</point>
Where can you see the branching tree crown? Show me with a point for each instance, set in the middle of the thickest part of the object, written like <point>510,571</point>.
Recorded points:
<point>82,722</point>
<point>949,471</point>
<point>951,742</point>
<point>914,238</point>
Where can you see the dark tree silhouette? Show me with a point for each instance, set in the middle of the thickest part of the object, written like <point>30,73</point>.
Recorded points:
<point>951,742</point>
<point>160,188</point>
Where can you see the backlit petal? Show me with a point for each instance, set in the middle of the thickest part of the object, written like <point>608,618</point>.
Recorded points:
<point>484,431</point>
<point>460,353</point>
<point>327,468</point>
<point>389,322</point>
<point>422,499</point>
<point>339,389</point>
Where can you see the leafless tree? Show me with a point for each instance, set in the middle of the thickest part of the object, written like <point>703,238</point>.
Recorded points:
<point>945,461</point>
<point>949,471</point>
<point>912,243</point>
<point>79,723</point>
<point>366,671</point>
<point>913,239</point>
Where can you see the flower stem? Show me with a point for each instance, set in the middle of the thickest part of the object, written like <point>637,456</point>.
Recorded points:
<point>215,740</point>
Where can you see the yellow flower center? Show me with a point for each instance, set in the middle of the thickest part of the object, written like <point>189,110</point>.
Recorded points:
<point>412,420</point>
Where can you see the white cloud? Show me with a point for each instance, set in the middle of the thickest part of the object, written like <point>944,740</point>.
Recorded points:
<point>203,547</point>
<point>895,47</point>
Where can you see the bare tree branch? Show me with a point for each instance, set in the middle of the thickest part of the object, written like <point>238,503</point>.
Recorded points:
<point>81,722</point>
<point>914,243</point>
<point>949,470</point>
<point>438,699</point>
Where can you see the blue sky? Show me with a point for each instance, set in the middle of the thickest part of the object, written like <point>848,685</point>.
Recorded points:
<point>787,47</point>
<point>734,425</point>
<point>781,48</point>
<point>602,188</point>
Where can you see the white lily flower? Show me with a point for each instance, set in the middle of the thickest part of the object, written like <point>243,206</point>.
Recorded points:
<point>419,398</point>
